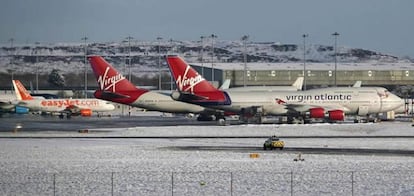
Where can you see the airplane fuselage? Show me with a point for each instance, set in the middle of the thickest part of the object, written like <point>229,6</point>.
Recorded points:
<point>359,101</point>
<point>58,105</point>
<point>164,103</point>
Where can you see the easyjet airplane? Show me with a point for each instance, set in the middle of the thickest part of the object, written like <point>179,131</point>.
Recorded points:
<point>113,86</point>
<point>83,107</point>
<point>327,103</point>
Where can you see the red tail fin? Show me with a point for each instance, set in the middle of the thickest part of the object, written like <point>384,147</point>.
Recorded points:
<point>112,84</point>
<point>108,78</point>
<point>188,80</point>
<point>21,92</point>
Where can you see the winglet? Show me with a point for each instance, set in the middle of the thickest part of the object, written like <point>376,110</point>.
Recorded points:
<point>225,85</point>
<point>357,84</point>
<point>21,92</point>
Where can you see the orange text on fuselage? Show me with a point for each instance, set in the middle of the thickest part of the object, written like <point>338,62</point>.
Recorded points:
<point>69,102</point>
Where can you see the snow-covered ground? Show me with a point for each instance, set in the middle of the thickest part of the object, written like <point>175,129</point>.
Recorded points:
<point>131,166</point>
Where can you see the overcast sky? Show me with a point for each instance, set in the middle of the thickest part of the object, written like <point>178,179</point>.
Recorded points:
<point>382,25</point>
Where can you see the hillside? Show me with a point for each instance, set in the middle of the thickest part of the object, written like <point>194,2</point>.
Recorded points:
<point>69,58</point>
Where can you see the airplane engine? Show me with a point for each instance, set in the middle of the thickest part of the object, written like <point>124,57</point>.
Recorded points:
<point>316,113</point>
<point>176,95</point>
<point>86,112</point>
<point>21,110</point>
<point>337,115</point>
<point>203,117</point>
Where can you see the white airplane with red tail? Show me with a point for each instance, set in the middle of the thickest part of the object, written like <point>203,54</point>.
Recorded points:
<point>113,86</point>
<point>83,107</point>
<point>328,103</point>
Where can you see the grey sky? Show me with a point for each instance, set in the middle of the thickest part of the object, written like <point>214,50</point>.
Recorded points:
<point>382,25</point>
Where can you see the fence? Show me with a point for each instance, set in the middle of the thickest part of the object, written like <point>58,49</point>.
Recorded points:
<point>210,183</point>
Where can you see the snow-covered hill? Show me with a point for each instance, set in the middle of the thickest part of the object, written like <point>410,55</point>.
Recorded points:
<point>69,57</point>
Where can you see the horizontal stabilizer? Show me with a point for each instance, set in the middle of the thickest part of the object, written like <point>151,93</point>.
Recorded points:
<point>112,95</point>
<point>185,96</point>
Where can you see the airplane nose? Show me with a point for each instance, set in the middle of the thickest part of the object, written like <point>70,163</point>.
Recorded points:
<point>392,103</point>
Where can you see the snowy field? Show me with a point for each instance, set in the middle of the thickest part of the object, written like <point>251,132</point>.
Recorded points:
<point>172,166</point>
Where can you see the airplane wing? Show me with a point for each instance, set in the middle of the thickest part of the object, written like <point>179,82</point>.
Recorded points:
<point>225,85</point>
<point>357,83</point>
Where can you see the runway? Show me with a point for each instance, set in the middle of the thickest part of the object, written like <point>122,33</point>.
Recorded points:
<point>155,151</point>
<point>242,138</point>
<point>326,151</point>
<point>34,123</point>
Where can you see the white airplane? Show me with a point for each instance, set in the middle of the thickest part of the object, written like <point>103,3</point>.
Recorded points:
<point>327,103</point>
<point>113,86</point>
<point>83,107</point>
<point>296,86</point>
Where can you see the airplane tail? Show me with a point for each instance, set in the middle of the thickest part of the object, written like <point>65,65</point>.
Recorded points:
<point>113,86</point>
<point>21,92</point>
<point>193,86</point>
<point>298,84</point>
<point>187,78</point>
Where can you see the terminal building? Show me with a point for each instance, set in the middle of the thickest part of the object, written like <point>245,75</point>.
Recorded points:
<point>316,74</point>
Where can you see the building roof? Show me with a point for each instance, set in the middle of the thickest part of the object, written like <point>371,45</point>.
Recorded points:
<point>312,66</point>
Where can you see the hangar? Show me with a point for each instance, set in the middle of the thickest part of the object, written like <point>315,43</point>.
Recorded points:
<point>317,74</point>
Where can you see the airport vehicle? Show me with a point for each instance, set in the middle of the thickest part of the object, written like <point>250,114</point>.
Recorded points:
<point>330,104</point>
<point>296,86</point>
<point>83,107</point>
<point>113,86</point>
<point>273,143</point>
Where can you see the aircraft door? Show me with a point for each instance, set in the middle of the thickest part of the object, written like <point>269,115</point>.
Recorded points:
<point>363,110</point>
<point>381,95</point>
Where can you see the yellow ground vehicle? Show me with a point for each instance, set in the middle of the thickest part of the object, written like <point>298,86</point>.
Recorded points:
<point>272,143</point>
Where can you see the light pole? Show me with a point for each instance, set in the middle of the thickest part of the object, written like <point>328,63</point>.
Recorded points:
<point>336,34</point>
<point>202,54</point>
<point>11,40</point>
<point>304,60</point>
<point>86,70</point>
<point>171,45</point>
<point>212,56</point>
<point>37,67</point>
<point>172,52</point>
<point>129,38</point>
<point>244,39</point>
<point>159,62</point>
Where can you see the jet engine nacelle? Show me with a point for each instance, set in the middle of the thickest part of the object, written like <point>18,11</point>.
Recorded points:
<point>334,115</point>
<point>86,112</point>
<point>176,95</point>
<point>316,113</point>
<point>21,110</point>
<point>337,115</point>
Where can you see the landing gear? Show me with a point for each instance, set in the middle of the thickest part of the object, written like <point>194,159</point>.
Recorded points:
<point>221,122</point>
<point>296,120</point>
<point>252,115</point>
<point>367,119</point>
<point>203,117</point>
